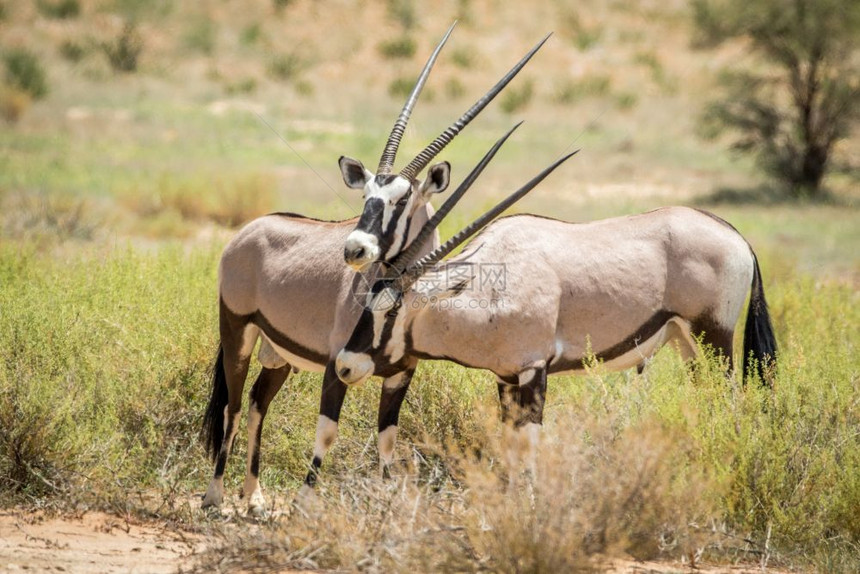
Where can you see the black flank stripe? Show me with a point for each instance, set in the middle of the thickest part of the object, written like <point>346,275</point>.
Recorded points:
<point>645,331</point>
<point>278,338</point>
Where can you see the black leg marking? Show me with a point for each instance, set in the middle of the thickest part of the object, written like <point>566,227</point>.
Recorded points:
<point>390,402</point>
<point>311,478</point>
<point>509,399</point>
<point>331,402</point>
<point>532,397</point>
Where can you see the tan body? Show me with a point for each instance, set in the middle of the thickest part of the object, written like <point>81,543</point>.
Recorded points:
<point>616,289</point>
<point>570,284</point>
<point>290,271</point>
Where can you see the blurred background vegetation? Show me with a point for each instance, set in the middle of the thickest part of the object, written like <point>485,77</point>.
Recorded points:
<point>136,136</point>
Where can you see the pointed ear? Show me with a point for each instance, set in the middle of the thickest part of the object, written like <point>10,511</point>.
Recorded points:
<point>438,178</point>
<point>355,175</point>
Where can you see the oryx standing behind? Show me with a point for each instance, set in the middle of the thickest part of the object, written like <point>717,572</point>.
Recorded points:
<point>282,279</point>
<point>620,288</point>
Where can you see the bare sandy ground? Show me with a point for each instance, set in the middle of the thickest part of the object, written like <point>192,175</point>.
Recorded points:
<point>96,542</point>
<point>93,542</point>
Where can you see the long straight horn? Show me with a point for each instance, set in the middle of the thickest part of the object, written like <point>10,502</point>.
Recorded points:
<point>390,152</point>
<point>437,145</point>
<point>415,270</point>
<point>405,257</point>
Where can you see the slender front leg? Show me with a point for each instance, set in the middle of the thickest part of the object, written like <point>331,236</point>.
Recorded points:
<point>331,401</point>
<point>393,392</point>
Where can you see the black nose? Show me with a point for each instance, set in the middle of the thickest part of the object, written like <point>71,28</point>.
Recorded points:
<point>344,373</point>
<point>357,253</point>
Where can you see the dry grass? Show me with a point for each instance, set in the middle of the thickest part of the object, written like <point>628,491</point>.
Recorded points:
<point>229,201</point>
<point>13,103</point>
<point>597,494</point>
<point>42,219</point>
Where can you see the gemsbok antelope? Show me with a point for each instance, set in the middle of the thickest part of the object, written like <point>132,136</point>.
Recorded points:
<point>282,280</point>
<point>620,288</point>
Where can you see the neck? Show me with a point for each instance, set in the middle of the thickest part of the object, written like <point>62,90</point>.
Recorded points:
<point>421,216</point>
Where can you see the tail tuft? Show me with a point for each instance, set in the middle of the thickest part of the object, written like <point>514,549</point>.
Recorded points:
<point>759,341</point>
<point>212,432</point>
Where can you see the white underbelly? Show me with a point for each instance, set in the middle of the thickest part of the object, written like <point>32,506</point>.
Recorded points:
<point>293,360</point>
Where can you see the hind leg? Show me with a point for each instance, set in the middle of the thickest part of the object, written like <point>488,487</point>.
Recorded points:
<point>237,341</point>
<point>527,416</point>
<point>719,337</point>
<point>264,390</point>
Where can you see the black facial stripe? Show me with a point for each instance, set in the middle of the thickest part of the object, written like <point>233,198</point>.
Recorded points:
<point>371,221</point>
<point>405,235</point>
<point>392,223</point>
<point>371,217</point>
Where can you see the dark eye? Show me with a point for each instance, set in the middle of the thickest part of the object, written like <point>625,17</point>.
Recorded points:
<point>403,200</point>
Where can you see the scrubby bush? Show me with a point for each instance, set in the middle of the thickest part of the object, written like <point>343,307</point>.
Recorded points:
<point>200,36</point>
<point>572,91</point>
<point>517,97</point>
<point>73,51</point>
<point>285,66</point>
<point>454,88</point>
<point>401,87</point>
<point>59,9</point>
<point>25,72</point>
<point>402,47</point>
<point>402,12</point>
<point>124,51</point>
<point>463,58</point>
<point>13,103</point>
<point>251,34</point>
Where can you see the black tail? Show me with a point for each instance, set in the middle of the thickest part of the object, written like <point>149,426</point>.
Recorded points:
<point>759,341</point>
<point>213,420</point>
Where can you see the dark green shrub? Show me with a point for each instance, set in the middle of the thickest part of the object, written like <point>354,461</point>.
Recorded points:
<point>455,89</point>
<point>73,51</point>
<point>25,73</point>
<point>402,47</point>
<point>123,52</point>
<point>251,34</point>
<point>402,12</point>
<point>285,67</point>
<point>59,9</point>
<point>517,98</point>
<point>200,36</point>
